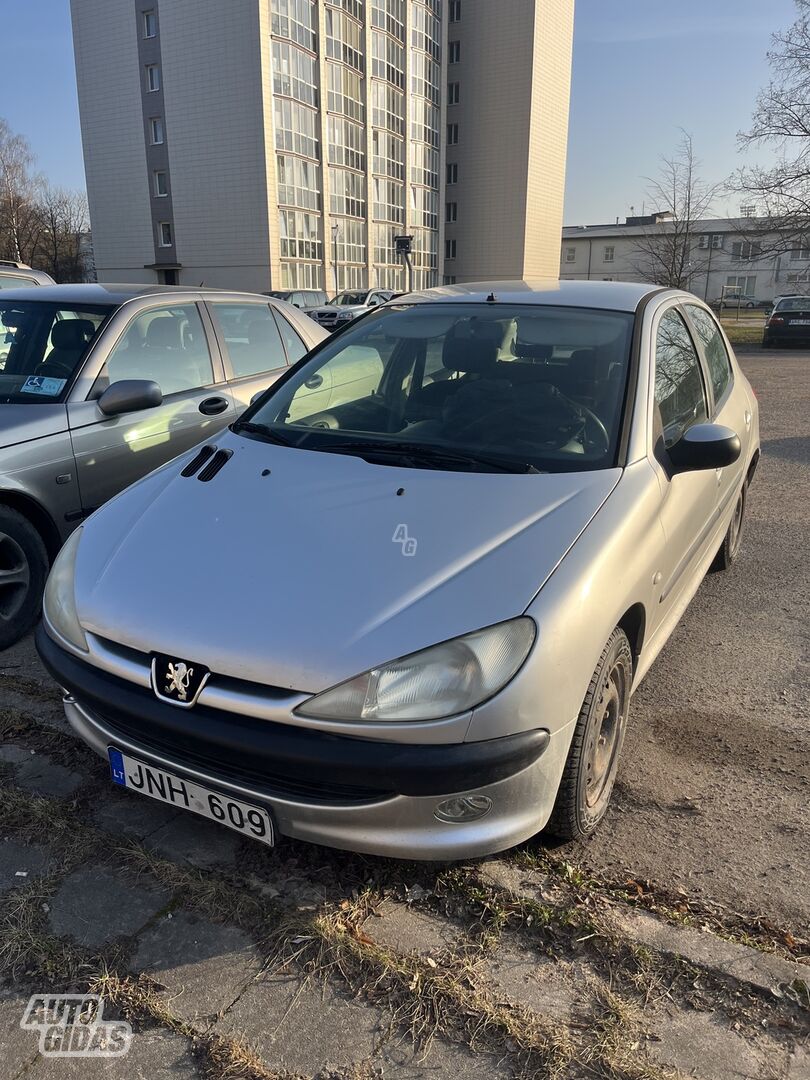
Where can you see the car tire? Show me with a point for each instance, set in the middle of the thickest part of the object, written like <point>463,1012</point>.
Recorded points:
<point>590,771</point>
<point>23,570</point>
<point>732,541</point>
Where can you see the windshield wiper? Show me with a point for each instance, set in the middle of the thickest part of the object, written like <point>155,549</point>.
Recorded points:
<point>425,452</point>
<point>260,429</point>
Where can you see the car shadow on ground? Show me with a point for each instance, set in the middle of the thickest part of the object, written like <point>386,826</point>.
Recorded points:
<point>795,449</point>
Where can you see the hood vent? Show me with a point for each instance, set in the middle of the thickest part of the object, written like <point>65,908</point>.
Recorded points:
<point>198,460</point>
<point>214,465</point>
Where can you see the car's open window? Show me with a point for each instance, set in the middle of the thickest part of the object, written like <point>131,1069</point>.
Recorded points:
<point>166,345</point>
<point>526,385</point>
<point>680,396</point>
<point>43,347</point>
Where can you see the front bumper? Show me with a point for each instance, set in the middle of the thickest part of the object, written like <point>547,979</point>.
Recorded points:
<point>359,794</point>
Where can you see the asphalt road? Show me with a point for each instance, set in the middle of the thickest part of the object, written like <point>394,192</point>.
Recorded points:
<point>714,786</point>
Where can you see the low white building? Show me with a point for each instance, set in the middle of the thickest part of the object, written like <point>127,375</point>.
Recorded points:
<point>739,252</point>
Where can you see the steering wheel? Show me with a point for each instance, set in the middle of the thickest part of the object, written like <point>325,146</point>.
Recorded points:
<point>601,430</point>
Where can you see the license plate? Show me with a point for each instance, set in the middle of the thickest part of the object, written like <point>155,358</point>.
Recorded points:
<point>157,784</point>
<point>799,322</point>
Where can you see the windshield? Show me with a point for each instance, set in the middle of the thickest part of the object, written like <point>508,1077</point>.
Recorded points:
<point>353,298</point>
<point>795,303</point>
<point>461,386</point>
<point>42,346</point>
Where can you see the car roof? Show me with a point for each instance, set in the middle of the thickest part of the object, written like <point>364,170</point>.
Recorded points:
<point>104,293</point>
<point>7,270</point>
<point>610,295</point>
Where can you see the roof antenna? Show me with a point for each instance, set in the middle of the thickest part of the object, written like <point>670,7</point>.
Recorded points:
<point>492,298</point>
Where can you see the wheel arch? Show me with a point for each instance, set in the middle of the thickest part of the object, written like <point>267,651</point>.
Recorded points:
<point>634,624</point>
<point>38,516</point>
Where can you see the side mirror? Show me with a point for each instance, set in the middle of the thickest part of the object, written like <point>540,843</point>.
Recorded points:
<point>130,395</point>
<point>705,446</point>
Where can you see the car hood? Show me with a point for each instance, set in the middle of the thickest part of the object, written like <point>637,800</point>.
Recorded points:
<point>22,423</point>
<point>301,576</point>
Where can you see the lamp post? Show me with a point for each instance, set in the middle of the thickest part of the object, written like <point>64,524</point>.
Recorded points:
<point>335,231</point>
<point>404,246</point>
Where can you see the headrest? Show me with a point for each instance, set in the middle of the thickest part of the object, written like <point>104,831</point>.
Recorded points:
<point>470,354</point>
<point>72,333</point>
<point>165,331</point>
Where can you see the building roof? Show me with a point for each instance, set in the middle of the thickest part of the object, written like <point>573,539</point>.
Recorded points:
<point>703,225</point>
<point>609,295</point>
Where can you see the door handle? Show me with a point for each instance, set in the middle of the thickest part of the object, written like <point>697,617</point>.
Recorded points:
<point>213,405</point>
<point>313,382</point>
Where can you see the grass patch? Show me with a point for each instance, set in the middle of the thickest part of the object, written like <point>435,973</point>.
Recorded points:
<point>743,333</point>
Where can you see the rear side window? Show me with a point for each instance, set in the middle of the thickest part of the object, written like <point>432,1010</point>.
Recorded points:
<point>292,342</point>
<point>9,281</point>
<point>679,392</point>
<point>714,348</point>
<point>251,338</point>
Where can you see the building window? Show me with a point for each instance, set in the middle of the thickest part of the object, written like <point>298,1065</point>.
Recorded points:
<point>152,78</point>
<point>165,234</point>
<point>610,250</point>
<point>742,283</point>
<point>149,24</point>
<point>802,252</point>
<point>452,134</point>
<point>452,172</point>
<point>454,51</point>
<point>453,95</point>
<point>745,250</point>
<point>449,249</point>
<point>455,10</point>
<point>156,131</point>
<point>449,279</point>
<point>160,183</point>
<point>570,254</point>
<point>711,240</point>
<point>451,211</point>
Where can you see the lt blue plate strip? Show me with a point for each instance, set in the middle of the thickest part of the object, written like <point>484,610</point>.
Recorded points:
<point>117,766</point>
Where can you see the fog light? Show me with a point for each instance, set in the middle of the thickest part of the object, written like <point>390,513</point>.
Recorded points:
<point>466,808</point>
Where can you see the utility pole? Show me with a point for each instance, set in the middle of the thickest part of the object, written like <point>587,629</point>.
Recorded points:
<point>335,231</point>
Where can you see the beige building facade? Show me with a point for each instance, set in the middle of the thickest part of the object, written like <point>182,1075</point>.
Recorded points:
<point>284,144</point>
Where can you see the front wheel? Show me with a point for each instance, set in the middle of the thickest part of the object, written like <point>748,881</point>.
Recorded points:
<point>593,760</point>
<point>23,569</point>
<point>732,541</point>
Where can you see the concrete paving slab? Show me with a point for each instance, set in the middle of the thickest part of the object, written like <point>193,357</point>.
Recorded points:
<point>555,989</point>
<point>131,815</point>
<point>95,905</point>
<point>192,839</point>
<point>203,966</point>
<point>400,1060</point>
<point>13,755</point>
<point>304,1026</point>
<point>404,930</point>
<point>765,971</point>
<point>41,776</point>
<point>156,1054</point>
<point>699,1044</point>
<point>18,1048</point>
<point>21,863</point>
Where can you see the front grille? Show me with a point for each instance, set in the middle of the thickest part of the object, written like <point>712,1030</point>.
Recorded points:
<point>220,765</point>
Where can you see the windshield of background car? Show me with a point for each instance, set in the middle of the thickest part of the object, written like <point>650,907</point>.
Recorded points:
<point>42,346</point>
<point>796,303</point>
<point>349,298</point>
<point>509,388</point>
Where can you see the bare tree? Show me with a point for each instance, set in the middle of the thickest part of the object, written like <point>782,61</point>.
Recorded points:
<point>780,192</point>
<point>19,189</point>
<point>667,252</point>
<point>64,219</point>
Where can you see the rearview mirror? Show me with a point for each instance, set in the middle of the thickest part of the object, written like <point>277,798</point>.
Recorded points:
<point>130,395</point>
<point>704,446</point>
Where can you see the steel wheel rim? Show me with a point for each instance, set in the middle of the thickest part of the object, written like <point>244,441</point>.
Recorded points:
<point>606,735</point>
<point>15,577</point>
<point>735,529</point>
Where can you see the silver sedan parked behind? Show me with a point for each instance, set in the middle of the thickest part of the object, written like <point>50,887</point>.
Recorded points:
<point>407,617</point>
<point>100,384</point>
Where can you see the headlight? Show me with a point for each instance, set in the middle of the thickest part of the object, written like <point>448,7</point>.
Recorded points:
<point>59,602</point>
<point>440,681</point>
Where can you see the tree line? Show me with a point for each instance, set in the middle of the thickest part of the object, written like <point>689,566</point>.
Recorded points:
<point>40,225</point>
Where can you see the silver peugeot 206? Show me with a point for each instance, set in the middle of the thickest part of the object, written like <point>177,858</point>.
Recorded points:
<point>401,606</point>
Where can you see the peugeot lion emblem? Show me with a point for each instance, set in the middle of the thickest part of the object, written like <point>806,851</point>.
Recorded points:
<point>177,681</point>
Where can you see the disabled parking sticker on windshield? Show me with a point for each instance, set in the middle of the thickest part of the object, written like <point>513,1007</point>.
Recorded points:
<point>42,384</point>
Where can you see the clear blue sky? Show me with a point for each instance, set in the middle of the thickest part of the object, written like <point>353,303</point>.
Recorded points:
<point>642,70</point>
